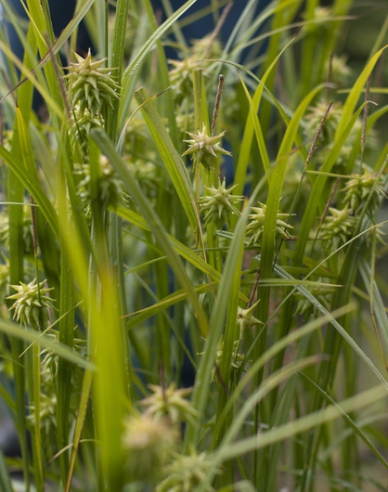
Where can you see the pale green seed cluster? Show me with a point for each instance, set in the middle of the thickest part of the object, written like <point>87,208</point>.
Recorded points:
<point>185,473</point>
<point>169,403</point>
<point>362,190</point>
<point>205,149</point>
<point>151,438</point>
<point>337,227</point>
<point>110,186</point>
<point>304,306</point>
<point>194,58</point>
<point>27,229</point>
<point>31,303</point>
<point>245,318</point>
<point>83,123</point>
<point>367,188</point>
<point>328,131</point>
<point>340,71</point>
<point>321,20</point>
<point>47,409</point>
<point>255,227</point>
<point>147,443</point>
<point>237,362</point>
<point>91,86</point>
<point>218,204</point>
<point>92,89</point>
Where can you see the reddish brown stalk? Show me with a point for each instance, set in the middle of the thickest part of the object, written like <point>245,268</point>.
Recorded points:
<point>217,103</point>
<point>316,137</point>
<point>217,29</point>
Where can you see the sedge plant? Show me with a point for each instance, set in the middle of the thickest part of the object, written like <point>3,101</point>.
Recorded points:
<point>190,296</point>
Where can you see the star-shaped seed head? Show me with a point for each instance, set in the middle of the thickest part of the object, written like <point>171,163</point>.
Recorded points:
<point>366,186</point>
<point>255,228</point>
<point>91,85</point>
<point>31,303</point>
<point>169,403</point>
<point>205,149</point>
<point>218,204</point>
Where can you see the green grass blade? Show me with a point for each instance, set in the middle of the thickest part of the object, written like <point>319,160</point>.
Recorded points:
<point>116,60</point>
<point>171,159</point>
<point>353,425</point>
<point>154,223</point>
<point>131,71</point>
<point>338,327</point>
<point>32,336</point>
<point>316,193</point>
<point>279,346</point>
<point>276,180</point>
<point>63,37</point>
<point>202,382</point>
<point>109,386</point>
<point>15,193</point>
<point>311,421</point>
<point>242,165</point>
<point>83,406</point>
<point>252,126</point>
<point>5,479</point>
<point>378,313</point>
<point>164,79</point>
<point>65,369</point>
<point>274,380</point>
<point>355,93</point>
<point>184,251</point>
<point>33,187</point>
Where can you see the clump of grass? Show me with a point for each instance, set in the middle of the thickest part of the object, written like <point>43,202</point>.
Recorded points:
<point>153,247</point>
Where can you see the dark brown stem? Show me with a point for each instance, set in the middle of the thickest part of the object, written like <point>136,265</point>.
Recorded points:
<point>217,29</point>
<point>217,103</point>
<point>316,137</point>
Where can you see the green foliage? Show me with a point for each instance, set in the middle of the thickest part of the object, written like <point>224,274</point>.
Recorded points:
<point>132,261</point>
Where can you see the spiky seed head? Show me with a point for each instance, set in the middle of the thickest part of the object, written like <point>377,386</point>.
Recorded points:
<point>337,227</point>
<point>218,204</point>
<point>169,403</point>
<point>255,227</point>
<point>31,303</point>
<point>91,85</point>
<point>340,72</point>
<point>147,443</point>
<point>366,186</point>
<point>83,123</point>
<point>236,361</point>
<point>109,185</point>
<point>305,307</point>
<point>205,149</point>
<point>185,473</point>
<point>245,318</point>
